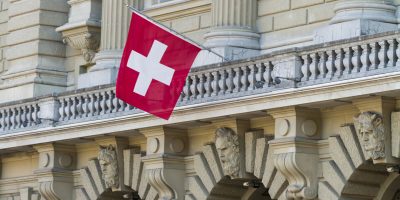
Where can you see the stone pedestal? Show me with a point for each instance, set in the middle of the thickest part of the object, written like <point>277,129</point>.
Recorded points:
<point>114,30</point>
<point>358,17</point>
<point>233,32</point>
<point>35,53</point>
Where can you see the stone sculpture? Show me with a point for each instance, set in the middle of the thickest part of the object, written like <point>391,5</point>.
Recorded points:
<point>227,144</point>
<point>109,166</point>
<point>370,130</point>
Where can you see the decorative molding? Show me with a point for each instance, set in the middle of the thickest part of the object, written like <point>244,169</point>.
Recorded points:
<point>88,41</point>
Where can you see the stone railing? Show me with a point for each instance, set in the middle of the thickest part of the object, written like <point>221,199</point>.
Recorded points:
<point>297,67</point>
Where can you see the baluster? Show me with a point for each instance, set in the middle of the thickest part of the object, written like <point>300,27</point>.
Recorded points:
<point>96,103</point>
<point>193,86</point>
<point>35,117</point>
<point>322,65</point>
<point>115,103</point>
<point>122,105</point>
<point>391,53</point>
<point>268,73</point>
<point>208,84</point>
<point>382,54</point>
<point>2,116</point>
<point>397,52</point>
<point>214,83</point>
<point>103,102</point>
<point>61,109</point>
<point>314,66</point>
<point>22,114</point>
<point>373,57</point>
<point>364,58</point>
<point>330,64</point>
<point>236,79</point>
<point>8,119</point>
<point>305,69</point>
<point>339,62</point>
<point>74,108</point>
<point>78,107</point>
<point>186,89</point>
<point>356,59</point>
<point>222,81</point>
<point>347,61</point>
<point>67,108</point>
<point>91,105</point>
<point>85,105</point>
<point>229,81</point>
<point>17,117</point>
<point>29,120</point>
<point>13,118</point>
<point>259,75</point>
<point>109,101</point>
<point>244,78</point>
<point>200,86</point>
<point>252,77</point>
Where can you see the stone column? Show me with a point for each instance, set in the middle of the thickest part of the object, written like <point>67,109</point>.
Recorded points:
<point>233,28</point>
<point>114,30</point>
<point>359,17</point>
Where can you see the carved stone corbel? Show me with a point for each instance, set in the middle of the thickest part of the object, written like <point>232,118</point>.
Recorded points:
<point>56,163</point>
<point>83,30</point>
<point>164,162</point>
<point>302,178</point>
<point>157,180</point>
<point>295,150</point>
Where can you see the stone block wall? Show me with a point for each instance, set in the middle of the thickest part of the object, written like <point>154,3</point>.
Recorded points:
<point>3,32</point>
<point>285,23</point>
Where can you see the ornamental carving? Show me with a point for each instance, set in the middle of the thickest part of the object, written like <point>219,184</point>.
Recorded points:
<point>370,131</point>
<point>227,144</point>
<point>109,166</point>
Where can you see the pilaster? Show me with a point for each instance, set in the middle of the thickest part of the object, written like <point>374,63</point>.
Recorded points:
<point>56,163</point>
<point>355,18</point>
<point>35,53</point>
<point>295,149</point>
<point>164,162</point>
<point>233,32</point>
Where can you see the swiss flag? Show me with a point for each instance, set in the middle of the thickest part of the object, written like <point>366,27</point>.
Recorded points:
<point>154,66</point>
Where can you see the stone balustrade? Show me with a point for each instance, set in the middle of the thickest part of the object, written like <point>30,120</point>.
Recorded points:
<point>292,68</point>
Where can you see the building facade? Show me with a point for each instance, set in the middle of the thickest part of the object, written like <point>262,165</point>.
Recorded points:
<point>305,106</point>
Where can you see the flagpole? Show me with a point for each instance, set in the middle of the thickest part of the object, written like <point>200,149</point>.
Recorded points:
<point>173,31</point>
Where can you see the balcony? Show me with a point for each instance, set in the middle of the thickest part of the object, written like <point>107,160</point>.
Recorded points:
<point>357,59</point>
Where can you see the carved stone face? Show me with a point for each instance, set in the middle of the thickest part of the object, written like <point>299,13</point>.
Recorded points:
<point>109,166</point>
<point>227,144</point>
<point>371,133</point>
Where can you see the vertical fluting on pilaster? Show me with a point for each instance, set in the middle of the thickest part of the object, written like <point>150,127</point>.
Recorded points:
<point>234,13</point>
<point>115,24</point>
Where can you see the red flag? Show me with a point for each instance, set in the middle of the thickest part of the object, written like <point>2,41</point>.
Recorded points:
<point>154,66</point>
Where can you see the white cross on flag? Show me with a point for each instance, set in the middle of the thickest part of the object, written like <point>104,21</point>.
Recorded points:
<point>154,66</point>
